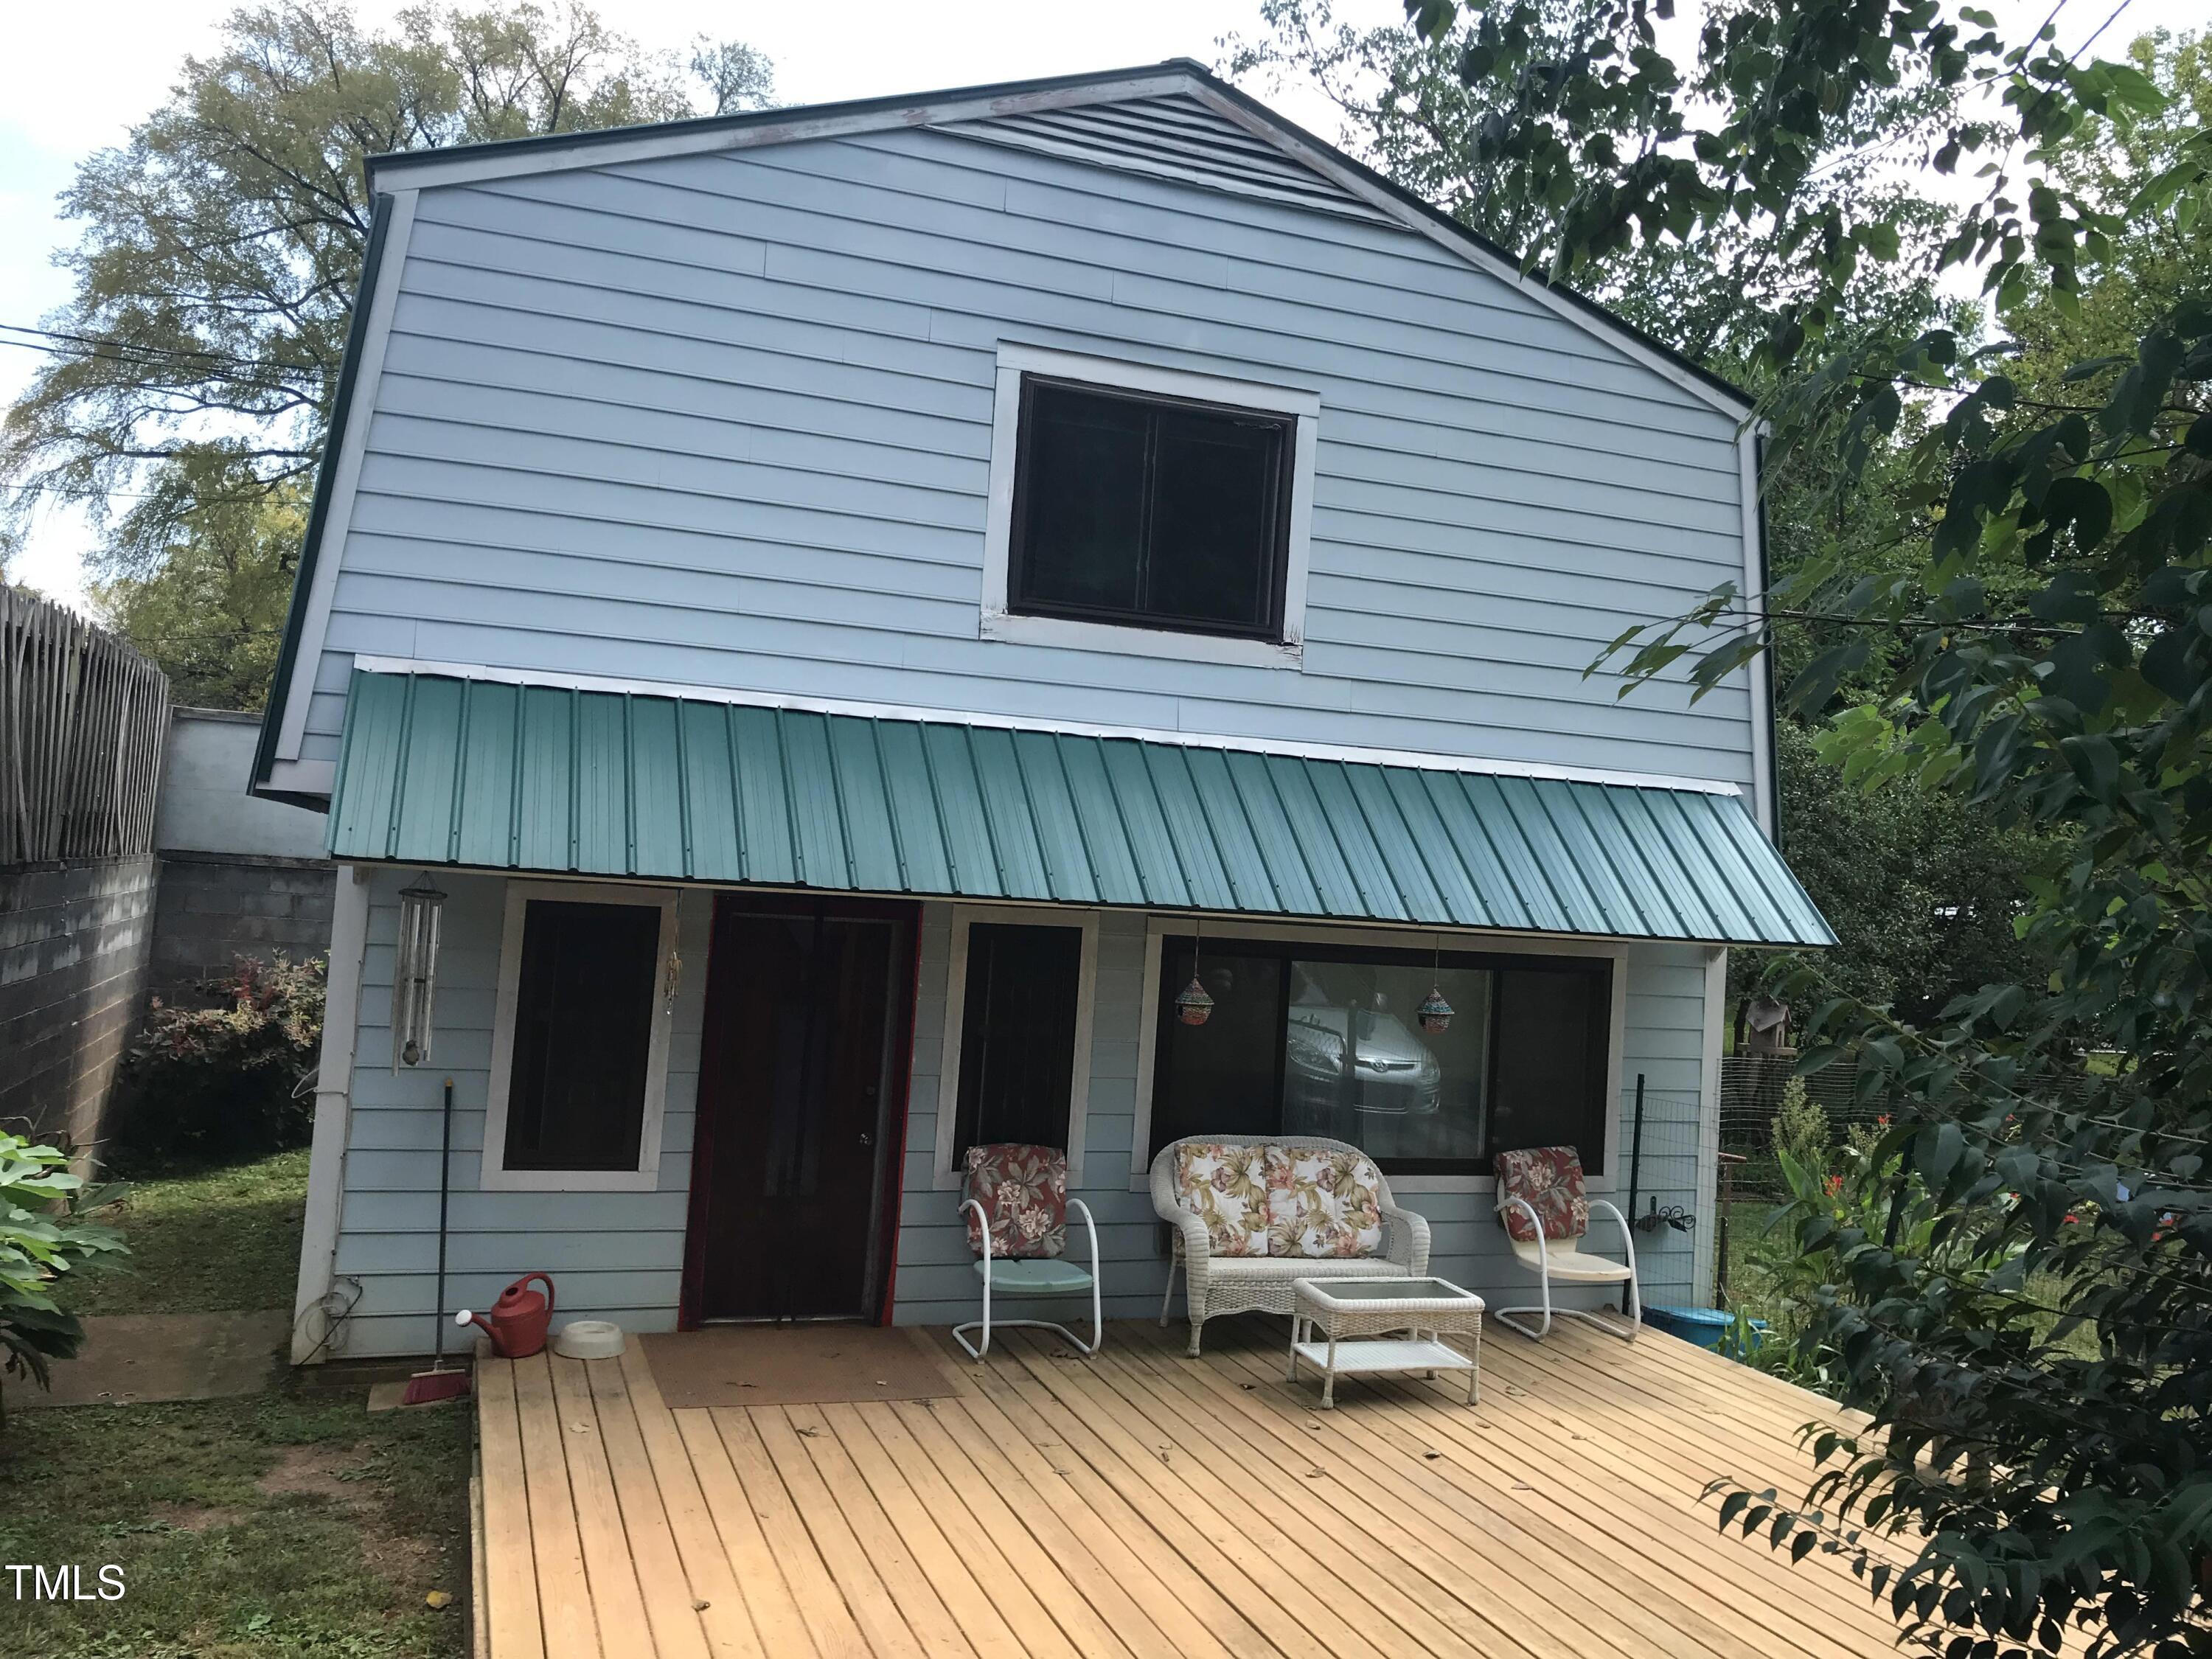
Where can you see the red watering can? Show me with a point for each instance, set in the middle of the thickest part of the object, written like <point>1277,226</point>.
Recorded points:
<point>518,1318</point>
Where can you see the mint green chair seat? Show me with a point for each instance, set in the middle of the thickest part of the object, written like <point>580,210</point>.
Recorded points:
<point>1041,1276</point>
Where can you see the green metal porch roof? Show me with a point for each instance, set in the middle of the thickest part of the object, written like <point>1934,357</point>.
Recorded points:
<point>434,769</point>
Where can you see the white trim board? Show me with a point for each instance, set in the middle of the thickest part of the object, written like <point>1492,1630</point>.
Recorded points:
<point>326,1157</point>
<point>998,622</point>
<point>1760,670</point>
<point>327,555</point>
<point>943,1176</point>
<point>1159,925</point>
<point>493,1174</point>
<point>1708,1129</point>
<point>1423,759</point>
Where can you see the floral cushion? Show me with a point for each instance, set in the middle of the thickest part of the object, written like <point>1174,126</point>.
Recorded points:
<point>1226,1188</point>
<point>1023,1190</point>
<point>1551,1179</point>
<point>1322,1203</point>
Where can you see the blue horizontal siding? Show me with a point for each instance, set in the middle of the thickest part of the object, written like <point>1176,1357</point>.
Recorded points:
<point>619,1255</point>
<point>725,420</point>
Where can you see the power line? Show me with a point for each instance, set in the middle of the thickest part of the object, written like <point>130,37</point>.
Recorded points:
<point>94,345</point>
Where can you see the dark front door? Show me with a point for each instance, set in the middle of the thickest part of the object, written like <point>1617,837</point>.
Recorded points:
<point>808,1021</point>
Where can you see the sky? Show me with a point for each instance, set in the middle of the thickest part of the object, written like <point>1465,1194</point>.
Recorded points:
<point>67,88</point>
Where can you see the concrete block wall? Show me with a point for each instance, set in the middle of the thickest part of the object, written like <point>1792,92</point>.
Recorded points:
<point>74,943</point>
<point>215,908</point>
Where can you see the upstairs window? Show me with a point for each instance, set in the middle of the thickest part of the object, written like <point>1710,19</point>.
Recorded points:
<point>1149,512</point>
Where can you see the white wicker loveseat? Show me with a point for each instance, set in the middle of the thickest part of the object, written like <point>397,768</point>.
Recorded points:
<point>1219,1282</point>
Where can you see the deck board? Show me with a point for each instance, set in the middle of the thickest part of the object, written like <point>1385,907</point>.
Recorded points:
<point>1138,1505</point>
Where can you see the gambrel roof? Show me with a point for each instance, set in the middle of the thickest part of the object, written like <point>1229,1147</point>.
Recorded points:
<point>1175,120</point>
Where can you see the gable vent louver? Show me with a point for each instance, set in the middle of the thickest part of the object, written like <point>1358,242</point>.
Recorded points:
<point>1175,139</point>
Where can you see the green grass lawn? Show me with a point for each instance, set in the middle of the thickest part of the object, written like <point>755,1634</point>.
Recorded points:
<point>286,1523</point>
<point>205,1241</point>
<point>291,1523</point>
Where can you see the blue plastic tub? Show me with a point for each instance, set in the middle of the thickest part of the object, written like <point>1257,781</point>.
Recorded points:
<point>1709,1327</point>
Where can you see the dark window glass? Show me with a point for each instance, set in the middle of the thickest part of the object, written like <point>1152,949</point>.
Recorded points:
<point>1226,1075</point>
<point>583,1029</point>
<point>1549,1089</point>
<point>1017,1035</point>
<point>1155,513</point>
<point>1308,1039</point>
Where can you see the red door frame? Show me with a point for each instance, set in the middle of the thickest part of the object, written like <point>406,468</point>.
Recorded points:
<point>710,1096</point>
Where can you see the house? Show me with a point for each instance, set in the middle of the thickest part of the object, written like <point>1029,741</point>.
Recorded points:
<point>854,608</point>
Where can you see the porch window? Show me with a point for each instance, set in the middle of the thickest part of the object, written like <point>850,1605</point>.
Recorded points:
<point>1017,1035</point>
<point>579,1050</point>
<point>1322,1039</point>
<point>1150,511</point>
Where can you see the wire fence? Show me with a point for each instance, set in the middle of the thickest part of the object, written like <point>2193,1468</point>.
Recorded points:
<point>81,721</point>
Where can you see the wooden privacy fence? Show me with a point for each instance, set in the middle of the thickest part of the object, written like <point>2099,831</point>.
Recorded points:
<point>83,717</point>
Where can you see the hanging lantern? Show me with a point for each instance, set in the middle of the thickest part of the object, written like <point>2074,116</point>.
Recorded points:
<point>1194,1006</point>
<point>415,972</point>
<point>1434,1013</point>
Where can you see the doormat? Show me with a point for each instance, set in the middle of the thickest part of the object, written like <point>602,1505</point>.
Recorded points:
<point>796,1366</point>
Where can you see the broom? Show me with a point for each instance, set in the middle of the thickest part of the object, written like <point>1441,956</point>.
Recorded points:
<point>429,1388</point>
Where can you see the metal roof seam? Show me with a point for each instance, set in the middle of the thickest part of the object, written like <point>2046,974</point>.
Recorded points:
<point>399,772</point>
<point>983,806</point>
<point>1244,811</point>
<point>890,810</point>
<point>936,807</point>
<point>1305,862</point>
<point>838,805</point>
<point>1082,836</point>
<point>1367,823</point>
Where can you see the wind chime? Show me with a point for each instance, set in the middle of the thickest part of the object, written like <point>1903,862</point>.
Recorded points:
<point>1435,1013</point>
<point>1194,1006</point>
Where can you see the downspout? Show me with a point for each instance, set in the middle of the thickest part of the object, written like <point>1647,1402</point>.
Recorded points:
<point>312,1310</point>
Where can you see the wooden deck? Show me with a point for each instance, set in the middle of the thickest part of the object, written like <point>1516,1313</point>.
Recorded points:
<point>1143,1504</point>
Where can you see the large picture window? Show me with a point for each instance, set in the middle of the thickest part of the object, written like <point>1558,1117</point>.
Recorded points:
<point>1317,1038</point>
<point>1149,512</point>
<point>580,1044</point>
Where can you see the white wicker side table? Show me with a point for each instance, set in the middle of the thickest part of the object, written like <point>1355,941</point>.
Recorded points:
<point>1371,1326</point>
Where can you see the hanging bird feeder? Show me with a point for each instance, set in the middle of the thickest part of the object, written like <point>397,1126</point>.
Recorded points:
<point>1194,1006</point>
<point>1435,1013</point>
<point>415,972</point>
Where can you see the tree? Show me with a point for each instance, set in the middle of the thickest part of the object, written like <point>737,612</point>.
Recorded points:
<point>218,551</point>
<point>2020,1289</point>
<point>1408,110</point>
<point>1922,888</point>
<point>222,243</point>
<point>1873,866</point>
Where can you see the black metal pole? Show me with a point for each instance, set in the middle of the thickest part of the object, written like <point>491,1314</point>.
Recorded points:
<point>444,1182</point>
<point>1635,1150</point>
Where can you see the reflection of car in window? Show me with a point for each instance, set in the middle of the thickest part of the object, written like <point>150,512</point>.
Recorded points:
<point>1393,1073</point>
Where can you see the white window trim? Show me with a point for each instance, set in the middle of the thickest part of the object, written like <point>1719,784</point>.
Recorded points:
<point>493,1176</point>
<point>998,623</point>
<point>1157,928</point>
<point>964,916</point>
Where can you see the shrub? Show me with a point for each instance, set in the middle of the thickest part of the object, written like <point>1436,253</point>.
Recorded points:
<point>221,1082</point>
<point>42,1236</point>
<point>1800,1126</point>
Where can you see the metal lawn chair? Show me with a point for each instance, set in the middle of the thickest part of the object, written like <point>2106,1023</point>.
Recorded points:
<point>1015,1203</point>
<point>1546,1211</point>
